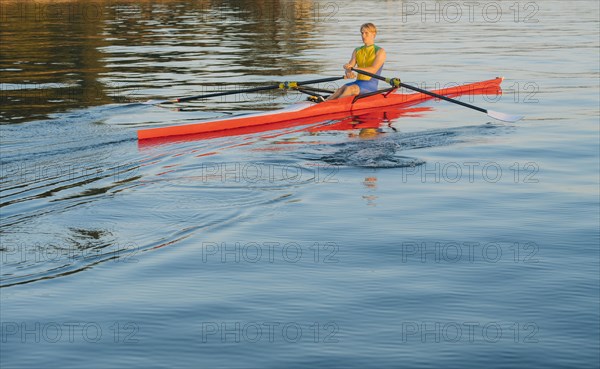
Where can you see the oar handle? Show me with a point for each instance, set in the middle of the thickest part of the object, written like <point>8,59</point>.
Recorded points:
<point>394,82</point>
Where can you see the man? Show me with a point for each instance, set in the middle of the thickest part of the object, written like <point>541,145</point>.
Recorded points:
<point>369,58</point>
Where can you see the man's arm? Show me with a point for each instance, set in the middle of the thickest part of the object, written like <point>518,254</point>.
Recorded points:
<point>351,64</point>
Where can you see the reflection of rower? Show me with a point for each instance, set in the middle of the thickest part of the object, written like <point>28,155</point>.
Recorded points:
<point>368,133</point>
<point>371,184</point>
<point>369,120</point>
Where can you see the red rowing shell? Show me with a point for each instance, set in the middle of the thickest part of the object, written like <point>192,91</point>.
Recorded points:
<point>305,112</point>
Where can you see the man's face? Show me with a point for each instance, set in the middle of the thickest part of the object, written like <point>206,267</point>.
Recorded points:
<point>367,37</point>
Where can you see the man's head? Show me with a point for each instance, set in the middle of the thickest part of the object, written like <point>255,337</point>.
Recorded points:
<point>368,32</point>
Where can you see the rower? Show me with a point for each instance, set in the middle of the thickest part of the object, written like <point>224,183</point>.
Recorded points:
<point>369,58</point>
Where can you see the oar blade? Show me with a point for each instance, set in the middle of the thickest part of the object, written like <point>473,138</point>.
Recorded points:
<point>504,117</point>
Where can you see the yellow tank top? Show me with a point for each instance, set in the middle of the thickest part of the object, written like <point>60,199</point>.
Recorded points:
<point>365,56</point>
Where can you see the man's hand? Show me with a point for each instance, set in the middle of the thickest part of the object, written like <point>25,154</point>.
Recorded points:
<point>350,75</point>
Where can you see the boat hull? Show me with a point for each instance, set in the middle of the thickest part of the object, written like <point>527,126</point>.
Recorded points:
<point>308,110</point>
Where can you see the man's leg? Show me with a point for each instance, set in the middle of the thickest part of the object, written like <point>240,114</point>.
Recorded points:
<point>344,91</point>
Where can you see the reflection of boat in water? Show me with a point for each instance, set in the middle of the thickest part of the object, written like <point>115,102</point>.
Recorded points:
<point>350,112</point>
<point>370,119</point>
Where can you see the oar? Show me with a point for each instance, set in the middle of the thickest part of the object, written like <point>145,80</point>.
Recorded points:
<point>281,85</point>
<point>396,83</point>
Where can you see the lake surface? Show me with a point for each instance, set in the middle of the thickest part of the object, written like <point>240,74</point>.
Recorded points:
<point>442,239</point>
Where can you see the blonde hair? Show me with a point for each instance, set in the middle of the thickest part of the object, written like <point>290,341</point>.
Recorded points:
<point>369,27</point>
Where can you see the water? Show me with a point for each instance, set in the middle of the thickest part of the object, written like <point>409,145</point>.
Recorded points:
<point>447,240</point>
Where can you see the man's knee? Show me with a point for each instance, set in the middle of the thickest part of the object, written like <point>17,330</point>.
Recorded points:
<point>354,90</point>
